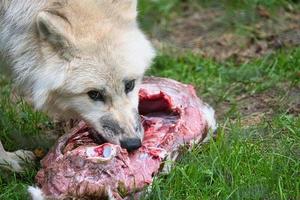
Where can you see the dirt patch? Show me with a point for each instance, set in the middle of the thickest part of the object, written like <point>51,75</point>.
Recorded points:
<point>210,32</point>
<point>253,109</point>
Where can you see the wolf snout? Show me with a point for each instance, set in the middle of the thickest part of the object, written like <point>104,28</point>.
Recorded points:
<point>111,126</point>
<point>131,144</point>
<point>128,134</point>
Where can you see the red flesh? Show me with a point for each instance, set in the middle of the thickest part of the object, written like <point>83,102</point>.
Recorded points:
<point>99,150</point>
<point>172,116</point>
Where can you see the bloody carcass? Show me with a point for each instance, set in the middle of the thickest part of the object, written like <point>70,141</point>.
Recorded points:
<point>77,167</point>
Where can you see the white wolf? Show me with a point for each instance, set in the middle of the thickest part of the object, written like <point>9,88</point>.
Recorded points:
<point>78,58</point>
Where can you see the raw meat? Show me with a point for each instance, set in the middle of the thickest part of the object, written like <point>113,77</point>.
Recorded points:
<point>77,167</point>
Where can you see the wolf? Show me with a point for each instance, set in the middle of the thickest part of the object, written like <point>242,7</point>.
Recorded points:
<point>76,59</point>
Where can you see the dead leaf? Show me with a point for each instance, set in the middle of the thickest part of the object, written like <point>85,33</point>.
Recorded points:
<point>263,12</point>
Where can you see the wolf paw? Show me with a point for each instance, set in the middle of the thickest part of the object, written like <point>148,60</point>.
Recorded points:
<point>18,160</point>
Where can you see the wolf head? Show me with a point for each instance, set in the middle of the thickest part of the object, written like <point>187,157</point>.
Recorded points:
<point>94,57</point>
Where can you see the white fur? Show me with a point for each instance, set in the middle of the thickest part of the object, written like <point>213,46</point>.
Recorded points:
<point>35,193</point>
<point>15,160</point>
<point>209,114</point>
<point>61,49</point>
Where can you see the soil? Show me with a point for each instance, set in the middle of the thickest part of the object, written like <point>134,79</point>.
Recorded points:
<point>254,108</point>
<point>213,33</point>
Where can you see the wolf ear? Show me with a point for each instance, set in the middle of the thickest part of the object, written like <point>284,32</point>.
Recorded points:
<point>127,8</point>
<point>55,29</point>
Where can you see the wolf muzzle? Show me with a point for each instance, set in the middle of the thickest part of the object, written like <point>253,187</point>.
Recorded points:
<point>129,135</point>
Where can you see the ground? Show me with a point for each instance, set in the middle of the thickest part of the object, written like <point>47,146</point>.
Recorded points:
<point>243,57</point>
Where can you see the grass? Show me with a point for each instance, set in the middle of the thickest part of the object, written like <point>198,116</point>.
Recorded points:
<point>250,158</point>
<point>239,13</point>
<point>244,162</point>
<point>257,163</point>
<point>224,81</point>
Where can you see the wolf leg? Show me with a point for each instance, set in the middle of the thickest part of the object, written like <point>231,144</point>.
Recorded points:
<point>15,161</point>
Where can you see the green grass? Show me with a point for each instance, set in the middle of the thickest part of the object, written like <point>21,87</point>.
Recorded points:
<point>18,120</point>
<point>238,13</point>
<point>225,81</point>
<point>256,162</point>
<point>14,186</point>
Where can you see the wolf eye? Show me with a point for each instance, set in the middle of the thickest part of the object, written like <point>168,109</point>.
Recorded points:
<point>129,86</point>
<point>96,95</point>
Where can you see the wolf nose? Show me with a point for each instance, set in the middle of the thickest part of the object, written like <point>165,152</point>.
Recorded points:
<point>131,143</point>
